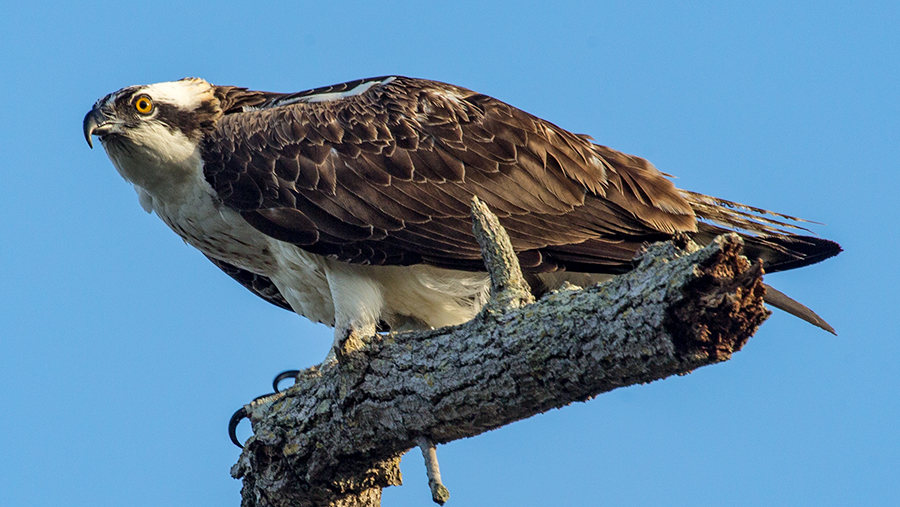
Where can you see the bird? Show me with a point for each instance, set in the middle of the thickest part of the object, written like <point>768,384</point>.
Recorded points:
<point>350,204</point>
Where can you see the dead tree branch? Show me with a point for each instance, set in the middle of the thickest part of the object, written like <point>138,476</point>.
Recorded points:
<point>337,436</point>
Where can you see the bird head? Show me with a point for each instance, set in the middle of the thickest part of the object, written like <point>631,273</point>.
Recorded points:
<point>148,131</point>
<point>188,107</point>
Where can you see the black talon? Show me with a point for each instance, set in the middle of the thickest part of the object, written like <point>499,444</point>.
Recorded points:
<point>241,414</point>
<point>233,424</point>
<point>282,376</point>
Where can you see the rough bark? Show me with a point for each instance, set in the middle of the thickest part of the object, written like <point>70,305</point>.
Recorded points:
<point>336,437</point>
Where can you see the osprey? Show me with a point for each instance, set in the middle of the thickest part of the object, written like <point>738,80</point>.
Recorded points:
<point>350,204</point>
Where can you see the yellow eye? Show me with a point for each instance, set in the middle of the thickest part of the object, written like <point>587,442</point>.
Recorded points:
<point>143,104</point>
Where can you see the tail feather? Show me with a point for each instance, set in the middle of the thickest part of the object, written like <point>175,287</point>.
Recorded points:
<point>735,215</point>
<point>781,301</point>
<point>770,236</point>
<point>778,252</point>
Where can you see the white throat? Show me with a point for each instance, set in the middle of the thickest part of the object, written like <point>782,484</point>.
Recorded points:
<point>158,160</point>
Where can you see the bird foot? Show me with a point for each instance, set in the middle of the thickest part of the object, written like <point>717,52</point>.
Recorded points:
<point>259,404</point>
<point>351,340</point>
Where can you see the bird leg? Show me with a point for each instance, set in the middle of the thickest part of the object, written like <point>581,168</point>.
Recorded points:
<point>439,493</point>
<point>358,303</point>
<point>353,337</point>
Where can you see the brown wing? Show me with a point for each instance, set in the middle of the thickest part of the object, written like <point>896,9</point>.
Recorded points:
<point>386,175</point>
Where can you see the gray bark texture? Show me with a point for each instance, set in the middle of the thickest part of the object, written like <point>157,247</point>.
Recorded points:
<point>336,437</point>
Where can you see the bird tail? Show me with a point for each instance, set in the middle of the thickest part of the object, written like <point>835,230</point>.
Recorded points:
<point>775,238</point>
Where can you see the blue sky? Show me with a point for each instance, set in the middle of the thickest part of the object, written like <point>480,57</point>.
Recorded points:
<point>123,351</point>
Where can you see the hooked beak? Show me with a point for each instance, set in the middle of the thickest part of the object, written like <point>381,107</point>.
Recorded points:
<point>97,123</point>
